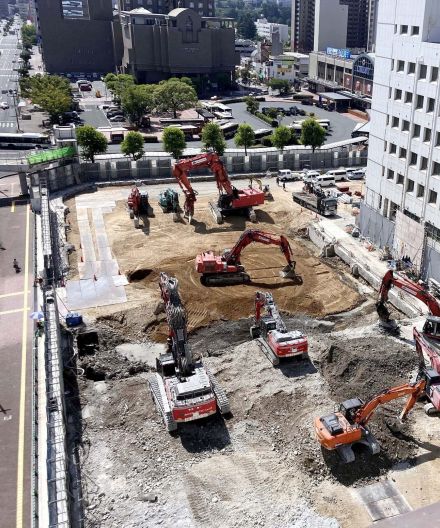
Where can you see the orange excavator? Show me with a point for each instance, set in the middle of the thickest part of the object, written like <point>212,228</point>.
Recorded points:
<point>348,425</point>
<point>226,269</point>
<point>271,334</point>
<point>231,201</point>
<point>138,204</point>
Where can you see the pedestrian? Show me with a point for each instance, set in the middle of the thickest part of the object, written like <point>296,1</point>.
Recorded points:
<point>278,181</point>
<point>284,186</point>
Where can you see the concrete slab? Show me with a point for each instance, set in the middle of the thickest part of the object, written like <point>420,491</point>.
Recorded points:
<point>383,500</point>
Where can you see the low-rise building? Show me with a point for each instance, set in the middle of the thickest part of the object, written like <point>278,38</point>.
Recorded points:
<point>266,30</point>
<point>289,66</point>
<point>157,46</point>
<point>245,47</point>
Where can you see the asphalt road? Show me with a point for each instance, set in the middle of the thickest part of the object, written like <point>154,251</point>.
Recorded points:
<point>8,80</point>
<point>15,371</point>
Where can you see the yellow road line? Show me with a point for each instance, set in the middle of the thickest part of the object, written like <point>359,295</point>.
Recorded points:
<point>20,462</point>
<point>7,312</point>
<point>13,206</point>
<point>11,294</point>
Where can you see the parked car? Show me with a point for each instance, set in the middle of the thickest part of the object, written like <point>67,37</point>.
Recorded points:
<point>307,102</point>
<point>294,110</point>
<point>301,112</point>
<point>113,113</point>
<point>356,175</point>
<point>286,175</point>
<point>4,105</point>
<point>117,119</point>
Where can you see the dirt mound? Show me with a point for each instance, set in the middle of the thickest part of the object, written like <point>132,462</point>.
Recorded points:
<point>356,368</point>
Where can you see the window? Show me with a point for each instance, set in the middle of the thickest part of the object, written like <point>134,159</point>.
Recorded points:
<point>408,97</point>
<point>420,190</point>
<point>420,101</point>
<point>431,104</point>
<point>409,185</point>
<point>427,135</point>
<point>434,74</point>
<point>411,68</point>
<point>400,179</point>
<point>397,94</point>
<point>393,148</point>
<point>390,175</point>
<point>395,122</point>
<point>437,141</point>
<point>402,153</point>
<point>405,125</point>
<point>403,29</point>
<point>432,197</point>
<point>424,163</point>
<point>416,131</point>
<point>436,169</point>
<point>415,30</point>
<point>423,71</point>
<point>413,159</point>
<point>388,120</point>
<point>400,66</point>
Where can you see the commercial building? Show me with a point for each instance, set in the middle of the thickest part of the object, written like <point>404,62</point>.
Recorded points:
<point>204,8</point>
<point>289,66</point>
<point>157,46</point>
<point>331,20</point>
<point>76,37</point>
<point>302,25</point>
<point>267,29</point>
<point>402,198</point>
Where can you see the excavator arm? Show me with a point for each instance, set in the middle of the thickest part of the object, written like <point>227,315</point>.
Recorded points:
<point>408,286</point>
<point>265,300</point>
<point>180,172</point>
<point>177,325</point>
<point>414,390</point>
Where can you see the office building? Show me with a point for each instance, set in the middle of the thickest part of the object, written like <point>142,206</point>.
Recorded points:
<point>266,30</point>
<point>4,10</point>
<point>157,46</point>
<point>76,37</point>
<point>331,23</point>
<point>302,25</point>
<point>373,6</point>
<point>204,8</point>
<point>289,66</point>
<point>402,197</point>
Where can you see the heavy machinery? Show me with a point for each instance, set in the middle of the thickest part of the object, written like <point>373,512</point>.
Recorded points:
<point>138,203</point>
<point>226,269</point>
<point>315,199</point>
<point>271,333</point>
<point>348,425</point>
<point>408,286</point>
<point>231,200</point>
<point>183,389</point>
<point>169,202</point>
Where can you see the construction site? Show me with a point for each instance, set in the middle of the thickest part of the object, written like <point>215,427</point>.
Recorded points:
<point>203,381</point>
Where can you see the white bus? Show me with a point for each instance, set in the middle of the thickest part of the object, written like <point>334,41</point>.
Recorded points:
<point>229,129</point>
<point>218,109</point>
<point>25,140</point>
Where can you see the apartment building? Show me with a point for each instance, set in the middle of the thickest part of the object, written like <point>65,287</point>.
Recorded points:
<point>302,25</point>
<point>402,198</point>
<point>266,29</point>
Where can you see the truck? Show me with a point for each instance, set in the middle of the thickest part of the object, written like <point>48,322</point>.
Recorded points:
<point>321,204</point>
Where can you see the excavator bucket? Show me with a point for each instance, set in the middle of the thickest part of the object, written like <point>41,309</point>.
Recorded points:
<point>382,312</point>
<point>288,272</point>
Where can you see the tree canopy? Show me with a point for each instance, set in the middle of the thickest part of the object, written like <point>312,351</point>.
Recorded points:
<point>118,83</point>
<point>312,133</point>
<point>174,141</point>
<point>28,36</point>
<point>50,92</point>
<point>91,142</point>
<point>281,137</point>
<point>252,105</point>
<point>212,138</point>
<point>173,95</point>
<point>244,137</point>
<point>137,100</point>
<point>280,84</point>
<point>246,26</point>
<point>133,145</point>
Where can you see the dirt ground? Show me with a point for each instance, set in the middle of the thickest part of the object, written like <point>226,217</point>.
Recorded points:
<point>262,466</point>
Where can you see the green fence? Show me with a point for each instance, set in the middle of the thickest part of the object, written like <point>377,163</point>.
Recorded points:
<point>51,155</point>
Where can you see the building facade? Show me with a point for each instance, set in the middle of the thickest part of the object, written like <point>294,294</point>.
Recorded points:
<point>302,25</point>
<point>373,6</point>
<point>289,66</point>
<point>331,22</point>
<point>76,37</point>
<point>204,8</point>
<point>266,30</point>
<point>157,46</point>
<point>402,199</point>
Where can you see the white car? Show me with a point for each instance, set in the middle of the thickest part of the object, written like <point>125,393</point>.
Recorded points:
<point>4,105</point>
<point>117,119</point>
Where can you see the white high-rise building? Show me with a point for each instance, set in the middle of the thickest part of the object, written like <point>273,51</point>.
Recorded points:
<point>402,198</point>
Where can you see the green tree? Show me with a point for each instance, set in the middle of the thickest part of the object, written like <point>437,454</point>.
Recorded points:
<point>174,141</point>
<point>173,95</point>
<point>118,84</point>
<point>25,55</point>
<point>281,137</point>
<point>252,105</point>
<point>28,36</point>
<point>50,92</point>
<point>212,138</point>
<point>280,84</point>
<point>312,134</point>
<point>246,26</point>
<point>244,137</point>
<point>133,145</point>
<point>91,142</point>
<point>137,100</point>
<point>246,75</point>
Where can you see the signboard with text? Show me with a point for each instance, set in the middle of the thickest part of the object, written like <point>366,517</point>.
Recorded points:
<point>339,52</point>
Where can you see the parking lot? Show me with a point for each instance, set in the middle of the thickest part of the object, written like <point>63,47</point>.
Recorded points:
<point>340,129</point>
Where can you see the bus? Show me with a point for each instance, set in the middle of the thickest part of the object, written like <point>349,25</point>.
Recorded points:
<point>25,140</point>
<point>229,130</point>
<point>260,133</point>
<point>218,109</point>
<point>197,122</point>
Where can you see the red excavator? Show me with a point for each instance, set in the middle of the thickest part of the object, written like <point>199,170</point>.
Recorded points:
<point>226,269</point>
<point>138,203</point>
<point>348,425</point>
<point>271,333</point>
<point>183,389</point>
<point>231,200</point>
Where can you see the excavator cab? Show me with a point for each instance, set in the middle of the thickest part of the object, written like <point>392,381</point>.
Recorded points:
<point>349,408</point>
<point>431,327</point>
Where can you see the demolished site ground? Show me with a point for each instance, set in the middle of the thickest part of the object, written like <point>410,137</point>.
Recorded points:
<point>261,466</point>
